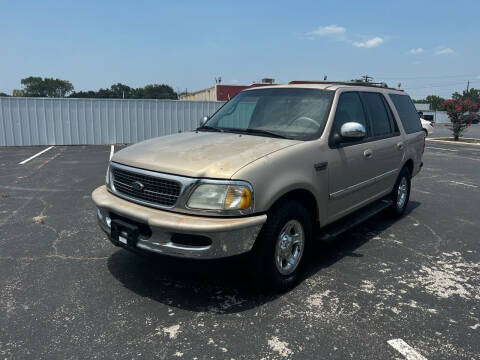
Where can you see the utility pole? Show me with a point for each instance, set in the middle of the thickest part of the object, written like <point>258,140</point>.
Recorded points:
<point>468,85</point>
<point>367,78</point>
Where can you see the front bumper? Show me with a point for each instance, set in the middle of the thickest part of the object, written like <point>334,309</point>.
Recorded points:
<point>229,236</point>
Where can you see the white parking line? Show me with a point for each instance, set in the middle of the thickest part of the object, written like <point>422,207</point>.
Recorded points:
<point>462,183</point>
<point>437,148</point>
<point>112,150</point>
<point>34,156</point>
<point>406,350</point>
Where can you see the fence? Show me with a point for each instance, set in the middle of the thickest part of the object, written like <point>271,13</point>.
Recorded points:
<point>45,121</point>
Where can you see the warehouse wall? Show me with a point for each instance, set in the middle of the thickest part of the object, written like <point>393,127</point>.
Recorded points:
<point>46,121</point>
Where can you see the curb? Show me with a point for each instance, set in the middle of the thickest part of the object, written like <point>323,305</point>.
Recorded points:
<point>452,142</point>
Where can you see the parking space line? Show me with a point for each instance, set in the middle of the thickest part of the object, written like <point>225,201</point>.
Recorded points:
<point>34,156</point>
<point>462,183</point>
<point>437,148</point>
<point>112,150</point>
<point>406,350</point>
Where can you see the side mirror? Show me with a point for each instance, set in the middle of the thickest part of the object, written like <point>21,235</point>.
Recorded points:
<point>204,120</point>
<point>352,131</point>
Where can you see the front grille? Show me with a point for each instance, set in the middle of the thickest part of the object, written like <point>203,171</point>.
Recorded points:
<point>155,190</point>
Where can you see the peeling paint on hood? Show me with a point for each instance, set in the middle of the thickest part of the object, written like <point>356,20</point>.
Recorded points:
<point>202,154</point>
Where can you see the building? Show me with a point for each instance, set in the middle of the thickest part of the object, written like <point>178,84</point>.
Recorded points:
<point>222,92</point>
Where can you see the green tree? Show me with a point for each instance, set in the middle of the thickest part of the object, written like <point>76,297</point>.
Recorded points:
<point>472,94</point>
<point>3,94</point>
<point>18,93</point>
<point>46,87</point>
<point>120,91</point>
<point>435,102</point>
<point>157,91</point>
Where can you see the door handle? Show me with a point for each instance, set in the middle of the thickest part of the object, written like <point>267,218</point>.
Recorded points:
<point>400,145</point>
<point>367,154</point>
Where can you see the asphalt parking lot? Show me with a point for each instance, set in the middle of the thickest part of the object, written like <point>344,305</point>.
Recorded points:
<point>66,292</point>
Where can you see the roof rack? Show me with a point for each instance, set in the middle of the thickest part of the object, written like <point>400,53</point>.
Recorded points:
<point>351,83</point>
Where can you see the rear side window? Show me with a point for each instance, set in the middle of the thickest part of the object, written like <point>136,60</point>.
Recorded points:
<point>407,112</point>
<point>349,109</point>
<point>379,118</point>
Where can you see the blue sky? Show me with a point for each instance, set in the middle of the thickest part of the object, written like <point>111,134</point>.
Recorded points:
<point>431,47</point>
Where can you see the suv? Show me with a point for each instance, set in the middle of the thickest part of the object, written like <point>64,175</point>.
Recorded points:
<point>270,171</point>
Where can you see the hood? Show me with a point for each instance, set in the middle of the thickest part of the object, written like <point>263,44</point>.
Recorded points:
<point>200,154</point>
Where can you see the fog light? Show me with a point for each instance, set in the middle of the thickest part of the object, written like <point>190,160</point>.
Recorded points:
<point>108,221</point>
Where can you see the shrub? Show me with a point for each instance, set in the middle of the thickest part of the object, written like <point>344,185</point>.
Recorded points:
<point>457,111</point>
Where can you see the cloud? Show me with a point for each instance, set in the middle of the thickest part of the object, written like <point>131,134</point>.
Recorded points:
<point>417,63</point>
<point>328,30</point>
<point>373,42</point>
<point>234,81</point>
<point>416,51</point>
<point>444,51</point>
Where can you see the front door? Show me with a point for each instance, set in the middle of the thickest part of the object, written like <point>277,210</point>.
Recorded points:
<point>350,165</point>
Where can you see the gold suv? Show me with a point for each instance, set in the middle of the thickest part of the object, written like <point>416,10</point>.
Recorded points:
<point>270,168</point>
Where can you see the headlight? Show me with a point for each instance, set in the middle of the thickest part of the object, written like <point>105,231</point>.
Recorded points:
<point>221,197</point>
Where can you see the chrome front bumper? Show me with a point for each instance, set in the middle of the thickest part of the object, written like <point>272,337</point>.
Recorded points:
<point>229,236</point>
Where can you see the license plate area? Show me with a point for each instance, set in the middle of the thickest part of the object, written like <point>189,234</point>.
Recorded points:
<point>124,233</point>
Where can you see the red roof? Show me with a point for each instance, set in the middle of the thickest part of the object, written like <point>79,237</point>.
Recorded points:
<point>226,92</point>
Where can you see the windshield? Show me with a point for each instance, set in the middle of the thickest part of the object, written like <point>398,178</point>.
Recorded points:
<point>291,113</point>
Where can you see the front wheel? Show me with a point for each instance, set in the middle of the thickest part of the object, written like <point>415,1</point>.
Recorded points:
<point>280,252</point>
<point>401,193</point>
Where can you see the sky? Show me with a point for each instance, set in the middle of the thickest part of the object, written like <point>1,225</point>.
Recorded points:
<point>430,47</point>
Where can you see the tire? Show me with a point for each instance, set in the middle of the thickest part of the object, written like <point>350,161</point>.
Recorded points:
<point>400,194</point>
<point>269,267</point>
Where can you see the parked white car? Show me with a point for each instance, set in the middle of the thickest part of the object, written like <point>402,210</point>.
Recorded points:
<point>427,126</point>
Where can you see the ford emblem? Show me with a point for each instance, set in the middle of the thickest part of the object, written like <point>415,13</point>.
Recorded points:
<point>137,185</point>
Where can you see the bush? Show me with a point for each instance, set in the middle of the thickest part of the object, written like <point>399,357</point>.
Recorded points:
<point>457,111</point>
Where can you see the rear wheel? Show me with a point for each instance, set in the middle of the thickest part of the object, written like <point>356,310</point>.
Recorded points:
<point>401,193</point>
<point>280,253</point>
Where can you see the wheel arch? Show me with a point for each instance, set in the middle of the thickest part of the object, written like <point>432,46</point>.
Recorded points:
<point>304,197</point>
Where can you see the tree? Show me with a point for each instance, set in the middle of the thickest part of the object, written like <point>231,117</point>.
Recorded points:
<point>457,110</point>
<point>47,87</point>
<point>472,94</point>
<point>120,91</point>
<point>156,91</point>
<point>3,94</point>
<point>18,93</point>
<point>434,101</point>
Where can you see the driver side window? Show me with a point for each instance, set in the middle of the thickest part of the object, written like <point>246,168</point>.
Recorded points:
<point>349,109</point>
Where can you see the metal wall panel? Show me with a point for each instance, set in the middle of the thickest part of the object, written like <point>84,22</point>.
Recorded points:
<point>40,121</point>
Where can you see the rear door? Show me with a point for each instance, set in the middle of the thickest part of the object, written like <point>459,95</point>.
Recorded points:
<point>386,143</point>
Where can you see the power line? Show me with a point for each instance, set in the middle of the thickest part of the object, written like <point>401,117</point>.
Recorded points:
<point>391,76</point>
<point>440,85</point>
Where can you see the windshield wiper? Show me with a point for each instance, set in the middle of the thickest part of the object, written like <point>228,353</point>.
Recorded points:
<point>209,128</point>
<point>264,132</point>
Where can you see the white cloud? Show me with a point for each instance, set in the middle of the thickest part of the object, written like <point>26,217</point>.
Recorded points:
<point>234,81</point>
<point>444,51</point>
<point>373,42</point>
<point>416,51</point>
<point>328,30</point>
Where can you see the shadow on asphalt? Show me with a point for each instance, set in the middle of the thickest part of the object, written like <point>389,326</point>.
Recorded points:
<point>224,286</point>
